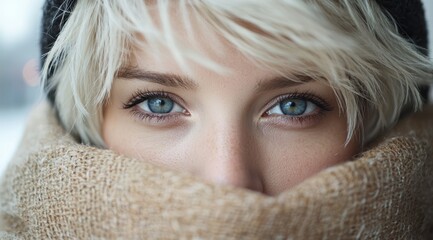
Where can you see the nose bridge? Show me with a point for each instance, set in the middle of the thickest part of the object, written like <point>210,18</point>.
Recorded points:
<point>231,156</point>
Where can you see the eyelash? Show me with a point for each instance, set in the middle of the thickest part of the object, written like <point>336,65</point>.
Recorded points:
<point>143,95</point>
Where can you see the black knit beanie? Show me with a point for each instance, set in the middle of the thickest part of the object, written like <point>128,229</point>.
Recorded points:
<point>408,14</point>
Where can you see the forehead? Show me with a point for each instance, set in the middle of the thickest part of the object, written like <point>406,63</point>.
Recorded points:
<point>184,39</point>
<point>210,35</point>
<point>232,67</point>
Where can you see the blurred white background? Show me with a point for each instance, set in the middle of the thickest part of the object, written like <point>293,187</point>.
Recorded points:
<point>19,55</point>
<point>19,34</point>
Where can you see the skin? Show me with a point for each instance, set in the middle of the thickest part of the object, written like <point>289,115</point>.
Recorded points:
<point>224,132</point>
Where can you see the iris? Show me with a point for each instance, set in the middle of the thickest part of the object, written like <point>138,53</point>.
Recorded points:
<point>293,107</point>
<point>160,105</point>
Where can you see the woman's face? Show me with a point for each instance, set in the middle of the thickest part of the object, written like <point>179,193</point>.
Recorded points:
<point>250,128</point>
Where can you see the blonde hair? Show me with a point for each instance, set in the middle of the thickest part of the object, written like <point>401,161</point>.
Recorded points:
<point>351,44</point>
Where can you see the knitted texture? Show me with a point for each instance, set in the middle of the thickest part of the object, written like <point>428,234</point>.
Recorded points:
<point>56,188</point>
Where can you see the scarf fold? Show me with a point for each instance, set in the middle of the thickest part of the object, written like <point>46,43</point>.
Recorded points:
<point>55,188</point>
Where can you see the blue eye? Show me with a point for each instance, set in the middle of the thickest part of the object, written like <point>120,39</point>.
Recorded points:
<point>160,105</point>
<point>293,107</point>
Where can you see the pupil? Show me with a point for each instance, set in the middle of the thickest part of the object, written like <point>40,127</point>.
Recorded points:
<point>293,107</point>
<point>160,105</point>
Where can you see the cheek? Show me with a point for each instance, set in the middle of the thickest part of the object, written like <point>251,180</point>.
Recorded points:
<point>128,137</point>
<point>294,157</point>
<point>115,134</point>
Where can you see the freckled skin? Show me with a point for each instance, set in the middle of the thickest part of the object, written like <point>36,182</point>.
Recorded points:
<point>225,138</point>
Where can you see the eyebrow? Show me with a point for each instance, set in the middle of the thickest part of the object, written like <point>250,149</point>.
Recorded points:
<point>175,80</point>
<point>281,82</point>
<point>166,79</point>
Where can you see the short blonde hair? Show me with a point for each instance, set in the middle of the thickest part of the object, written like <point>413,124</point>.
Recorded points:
<point>351,44</point>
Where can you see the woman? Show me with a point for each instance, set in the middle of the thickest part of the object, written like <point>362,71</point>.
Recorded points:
<point>251,94</point>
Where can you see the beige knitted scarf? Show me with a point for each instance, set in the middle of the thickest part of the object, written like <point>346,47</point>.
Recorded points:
<point>58,189</point>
